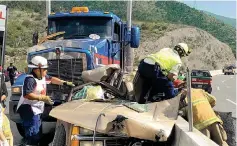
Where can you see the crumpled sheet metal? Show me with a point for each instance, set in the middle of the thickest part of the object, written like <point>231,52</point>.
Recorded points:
<point>118,120</point>
<point>97,74</point>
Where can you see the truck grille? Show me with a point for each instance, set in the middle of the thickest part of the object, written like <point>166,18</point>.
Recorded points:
<point>65,69</point>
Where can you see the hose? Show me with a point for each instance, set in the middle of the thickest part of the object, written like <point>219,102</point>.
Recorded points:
<point>94,134</point>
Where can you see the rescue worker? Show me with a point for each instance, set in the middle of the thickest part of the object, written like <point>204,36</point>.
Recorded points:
<point>156,73</point>
<point>204,117</point>
<point>31,103</point>
<point>11,72</point>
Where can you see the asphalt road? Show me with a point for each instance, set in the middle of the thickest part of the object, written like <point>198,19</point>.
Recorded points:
<point>224,89</point>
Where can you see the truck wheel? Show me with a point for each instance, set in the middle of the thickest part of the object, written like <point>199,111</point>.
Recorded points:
<point>59,137</point>
<point>20,129</point>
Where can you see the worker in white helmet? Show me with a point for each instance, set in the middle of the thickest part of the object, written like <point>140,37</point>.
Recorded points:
<point>31,103</point>
<point>156,72</point>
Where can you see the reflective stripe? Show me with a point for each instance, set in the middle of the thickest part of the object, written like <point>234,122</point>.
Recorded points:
<point>201,83</point>
<point>199,101</point>
<point>206,123</point>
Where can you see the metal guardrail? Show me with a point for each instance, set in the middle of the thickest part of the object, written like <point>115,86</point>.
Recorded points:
<point>216,72</point>
<point>190,110</point>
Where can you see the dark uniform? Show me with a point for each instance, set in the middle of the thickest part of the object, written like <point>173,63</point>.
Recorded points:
<point>11,71</point>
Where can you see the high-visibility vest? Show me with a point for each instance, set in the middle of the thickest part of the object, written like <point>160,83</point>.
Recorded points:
<point>203,114</point>
<point>166,58</point>
<point>40,89</point>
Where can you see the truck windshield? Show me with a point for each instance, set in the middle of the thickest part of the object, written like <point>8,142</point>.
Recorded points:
<point>81,27</point>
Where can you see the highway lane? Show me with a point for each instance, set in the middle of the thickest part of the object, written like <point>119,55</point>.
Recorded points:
<point>224,89</point>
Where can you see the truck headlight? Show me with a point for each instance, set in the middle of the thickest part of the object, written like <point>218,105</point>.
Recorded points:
<point>90,143</point>
<point>16,90</point>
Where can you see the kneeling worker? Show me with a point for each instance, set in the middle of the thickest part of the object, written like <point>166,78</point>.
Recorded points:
<point>157,71</point>
<point>31,104</point>
<point>204,117</point>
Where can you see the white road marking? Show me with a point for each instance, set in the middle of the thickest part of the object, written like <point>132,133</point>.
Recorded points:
<point>223,81</point>
<point>218,88</point>
<point>231,101</point>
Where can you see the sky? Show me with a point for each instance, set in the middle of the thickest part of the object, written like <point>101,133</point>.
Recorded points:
<point>223,8</point>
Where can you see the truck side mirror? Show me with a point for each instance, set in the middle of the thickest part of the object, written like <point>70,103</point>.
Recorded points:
<point>135,37</point>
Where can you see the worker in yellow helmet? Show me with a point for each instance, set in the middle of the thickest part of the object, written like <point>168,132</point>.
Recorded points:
<point>156,72</point>
<point>204,117</point>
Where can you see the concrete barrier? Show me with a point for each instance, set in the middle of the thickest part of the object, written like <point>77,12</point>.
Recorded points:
<point>216,72</point>
<point>183,137</point>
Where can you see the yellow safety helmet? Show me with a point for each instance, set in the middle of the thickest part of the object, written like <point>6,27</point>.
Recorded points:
<point>182,49</point>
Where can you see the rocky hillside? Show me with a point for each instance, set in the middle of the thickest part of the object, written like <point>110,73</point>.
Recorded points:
<point>148,11</point>
<point>207,52</point>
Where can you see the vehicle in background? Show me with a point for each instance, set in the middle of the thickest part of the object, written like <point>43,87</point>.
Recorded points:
<point>201,79</point>
<point>229,70</point>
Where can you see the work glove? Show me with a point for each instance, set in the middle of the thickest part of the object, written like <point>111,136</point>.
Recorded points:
<point>69,84</point>
<point>4,143</point>
<point>46,99</point>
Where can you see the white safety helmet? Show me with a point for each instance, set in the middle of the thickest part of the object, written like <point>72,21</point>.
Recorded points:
<point>38,62</point>
<point>182,49</point>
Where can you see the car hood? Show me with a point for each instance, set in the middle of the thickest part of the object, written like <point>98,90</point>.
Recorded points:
<point>155,123</point>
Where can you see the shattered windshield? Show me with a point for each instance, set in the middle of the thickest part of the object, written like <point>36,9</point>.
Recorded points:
<point>81,27</point>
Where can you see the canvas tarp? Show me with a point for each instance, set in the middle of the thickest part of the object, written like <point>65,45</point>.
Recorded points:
<point>118,120</point>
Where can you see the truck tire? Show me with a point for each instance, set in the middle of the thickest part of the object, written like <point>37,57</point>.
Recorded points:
<point>20,129</point>
<point>59,137</point>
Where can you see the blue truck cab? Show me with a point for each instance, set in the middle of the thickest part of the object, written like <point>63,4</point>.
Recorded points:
<point>76,41</point>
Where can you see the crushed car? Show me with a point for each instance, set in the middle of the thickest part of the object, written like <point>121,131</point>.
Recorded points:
<point>101,113</point>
